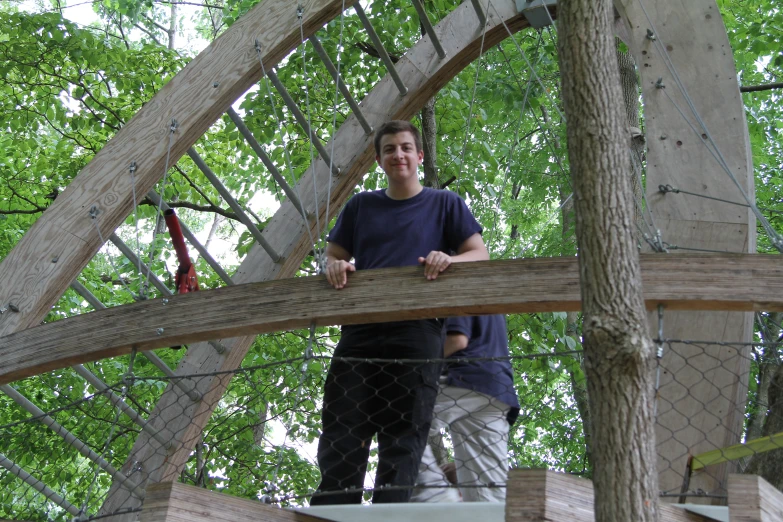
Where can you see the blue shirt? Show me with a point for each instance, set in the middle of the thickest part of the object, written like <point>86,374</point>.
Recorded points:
<point>381,232</point>
<point>487,337</point>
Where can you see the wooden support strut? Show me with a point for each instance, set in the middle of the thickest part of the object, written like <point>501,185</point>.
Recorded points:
<point>381,49</point>
<point>319,49</point>
<point>69,438</point>
<point>753,499</point>
<point>38,485</point>
<point>262,155</point>
<point>425,22</point>
<point>117,401</point>
<point>682,282</point>
<point>135,261</point>
<point>300,118</point>
<point>540,494</point>
<point>184,384</point>
<point>174,502</point>
<point>235,206</point>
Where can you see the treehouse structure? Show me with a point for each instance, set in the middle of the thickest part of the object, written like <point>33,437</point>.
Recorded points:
<point>696,140</point>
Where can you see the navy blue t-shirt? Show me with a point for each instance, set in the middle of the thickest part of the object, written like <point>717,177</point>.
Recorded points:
<point>381,232</point>
<point>487,337</point>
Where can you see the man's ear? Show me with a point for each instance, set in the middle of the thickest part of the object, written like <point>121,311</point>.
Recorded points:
<point>421,156</point>
<point>378,160</point>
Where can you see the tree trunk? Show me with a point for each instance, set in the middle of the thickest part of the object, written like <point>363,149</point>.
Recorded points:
<point>630,85</point>
<point>429,137</point>
<point>619,354</point>
<point>172,32</point>
<point>769,465</point>
<point>768,362</point>
<point>578,385</point>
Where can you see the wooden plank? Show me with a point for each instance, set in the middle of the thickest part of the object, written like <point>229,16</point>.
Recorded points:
<point>700,408</point>
<point>424,74</point>
<point>738,451</point>
<point>175,502</point>
<point>31,281</point>
<point>548,496</point>
<point>543,495</point>
<point>713,282</point>
<point>753,499</point>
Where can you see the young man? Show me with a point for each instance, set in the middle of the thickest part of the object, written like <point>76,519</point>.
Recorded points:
<point>478,403</point>
<point>405,224</point>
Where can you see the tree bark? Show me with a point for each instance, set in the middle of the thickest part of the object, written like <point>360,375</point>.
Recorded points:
<point>578,385</point>
<point>769,465</point>
<point>768,362</point>
<point>619,354</point>
<point>429,137</point>
<point>630,85</point>
<point>172,32</point>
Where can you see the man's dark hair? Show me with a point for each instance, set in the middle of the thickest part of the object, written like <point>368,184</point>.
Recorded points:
<point>395,127</point>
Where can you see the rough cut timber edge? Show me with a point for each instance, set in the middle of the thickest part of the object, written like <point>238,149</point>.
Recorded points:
<point>549,496</point>
<point>175,502</point>
<point>753,499</point>
<point>749,282</point>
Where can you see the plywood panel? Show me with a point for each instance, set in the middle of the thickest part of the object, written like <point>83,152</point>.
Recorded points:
<point>548,496</point>
<point>753,499</point>
<point>702,394</point>
<point>175,502</point>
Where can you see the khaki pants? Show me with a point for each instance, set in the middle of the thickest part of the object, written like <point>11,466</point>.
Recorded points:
<point>479,430</point>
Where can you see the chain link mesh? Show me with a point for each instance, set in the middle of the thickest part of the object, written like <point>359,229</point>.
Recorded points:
<point>261,441</point>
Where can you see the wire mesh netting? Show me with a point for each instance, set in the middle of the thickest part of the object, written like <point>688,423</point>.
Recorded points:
<point>87,456</point>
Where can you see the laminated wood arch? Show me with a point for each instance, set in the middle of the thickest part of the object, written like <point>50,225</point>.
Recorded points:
<point>197,96</point>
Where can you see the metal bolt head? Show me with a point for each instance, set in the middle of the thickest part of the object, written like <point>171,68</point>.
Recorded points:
<point>55,259</point>
<point>159,331</point>
<point>216,85</point>
<point>165,301</point>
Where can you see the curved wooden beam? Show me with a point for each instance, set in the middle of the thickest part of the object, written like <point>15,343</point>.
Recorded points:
<point>64,239</point>
<point>745,282</point>
<point>689,39</point>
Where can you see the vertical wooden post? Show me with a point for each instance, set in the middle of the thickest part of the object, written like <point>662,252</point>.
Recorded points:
<point>753,499</point>
<point>702,388</point>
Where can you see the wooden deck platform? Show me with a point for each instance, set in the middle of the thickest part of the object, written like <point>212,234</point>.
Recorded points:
<point>533,495</point>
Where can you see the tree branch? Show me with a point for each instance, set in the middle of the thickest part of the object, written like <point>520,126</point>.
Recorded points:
<point>193,206</point>
<point>372,51</point>
<point>765,87</point>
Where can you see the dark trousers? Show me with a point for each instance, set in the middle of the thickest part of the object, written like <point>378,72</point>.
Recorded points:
<point>391,399</point>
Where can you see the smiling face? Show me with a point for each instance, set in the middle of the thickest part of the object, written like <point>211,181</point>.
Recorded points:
<point>400,159</point>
